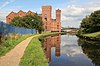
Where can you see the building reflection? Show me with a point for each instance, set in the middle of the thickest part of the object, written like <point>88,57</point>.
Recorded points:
<point>48,43</point>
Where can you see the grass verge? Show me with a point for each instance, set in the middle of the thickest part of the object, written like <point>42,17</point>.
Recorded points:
<point>96,34</point>
<point>34,55</point>
<point>91,36</point>
<point>10,43</point>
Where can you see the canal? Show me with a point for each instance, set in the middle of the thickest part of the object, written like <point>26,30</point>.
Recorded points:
<point>69,50</point>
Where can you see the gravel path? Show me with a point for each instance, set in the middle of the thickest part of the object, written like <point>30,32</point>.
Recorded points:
<point>13,57</point>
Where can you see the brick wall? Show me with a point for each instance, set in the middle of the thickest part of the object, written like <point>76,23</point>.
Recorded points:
<point>10,17</point>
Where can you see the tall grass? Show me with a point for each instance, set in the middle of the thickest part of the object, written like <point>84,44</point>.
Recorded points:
<point>8,44</point>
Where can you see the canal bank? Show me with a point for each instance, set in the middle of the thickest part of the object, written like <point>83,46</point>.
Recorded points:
<point>56,50</point>
<point>34,53</point>
<point>91,36</point>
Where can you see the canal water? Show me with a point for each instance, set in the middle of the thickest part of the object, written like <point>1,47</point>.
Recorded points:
<point>69,50</point>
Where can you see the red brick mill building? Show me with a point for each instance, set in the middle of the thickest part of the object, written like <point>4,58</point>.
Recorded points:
<point>49,24</point>
<point>10,17</point>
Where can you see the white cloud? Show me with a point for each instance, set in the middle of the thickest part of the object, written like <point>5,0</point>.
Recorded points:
<point>3,16</point>
<point>70,46</point>
<point>72,50</point>
<point>73,14</point>
<point>6,3</point>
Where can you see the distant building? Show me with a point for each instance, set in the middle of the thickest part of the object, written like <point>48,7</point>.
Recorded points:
<point>10,17</point>
<point>49,24</point>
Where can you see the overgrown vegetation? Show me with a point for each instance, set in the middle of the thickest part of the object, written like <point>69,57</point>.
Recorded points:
<point>90,23</point>
<point>8,43</point>
<point>34,55</point>
<point>29,21</point>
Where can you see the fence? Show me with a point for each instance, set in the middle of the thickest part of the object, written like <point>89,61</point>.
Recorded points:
<point>6,29</point>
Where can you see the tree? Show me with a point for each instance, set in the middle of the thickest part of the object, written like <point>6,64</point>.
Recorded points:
<point>29,21</point>
<point>17,21</point>
<point>38,23</point>
<point>91,23</point>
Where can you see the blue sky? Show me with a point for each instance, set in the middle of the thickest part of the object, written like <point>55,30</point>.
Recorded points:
<point>34,5</point>
<point>73,11</point>
<point>15,5</point>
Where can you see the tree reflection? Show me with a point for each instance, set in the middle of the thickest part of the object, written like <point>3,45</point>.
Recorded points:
<point>91,49</point>
<point>48,43</point>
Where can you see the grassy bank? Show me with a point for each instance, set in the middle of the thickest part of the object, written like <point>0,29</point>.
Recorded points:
<point>34,54</point>
<point>9,43</point>
<point>96,34</point>
<point>91,36</point>
<point>51,33</point>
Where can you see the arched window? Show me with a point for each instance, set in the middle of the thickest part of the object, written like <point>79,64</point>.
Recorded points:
<point>20,15</point>
<point>45,17</point>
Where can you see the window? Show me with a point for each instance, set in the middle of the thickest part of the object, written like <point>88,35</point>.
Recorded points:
<point>46,27</point>
<point>20,15</point>
<point>57,26</point>
<point>45,17</point>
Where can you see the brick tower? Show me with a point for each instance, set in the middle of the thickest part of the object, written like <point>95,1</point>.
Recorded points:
<point>58,19</point>
<point>49,24</point>
<point>46,17</point>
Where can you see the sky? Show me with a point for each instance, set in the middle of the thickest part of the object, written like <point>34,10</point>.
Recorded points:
<point>72,11</point>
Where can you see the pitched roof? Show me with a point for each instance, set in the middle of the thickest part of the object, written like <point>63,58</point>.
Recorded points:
<point>11,13</point>
<point>30,12</point>
<point>21,11</point>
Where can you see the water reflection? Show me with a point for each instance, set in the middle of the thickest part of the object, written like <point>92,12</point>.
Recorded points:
<point>65,50</point>
<point>92,50</point>
<point>48,43</point>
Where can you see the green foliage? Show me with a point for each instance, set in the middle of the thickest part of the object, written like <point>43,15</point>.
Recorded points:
<point>29,21</point>
<point>91,23</point>
<point>10,43</point>
<point>17,21</point>
<point>34,55</point>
